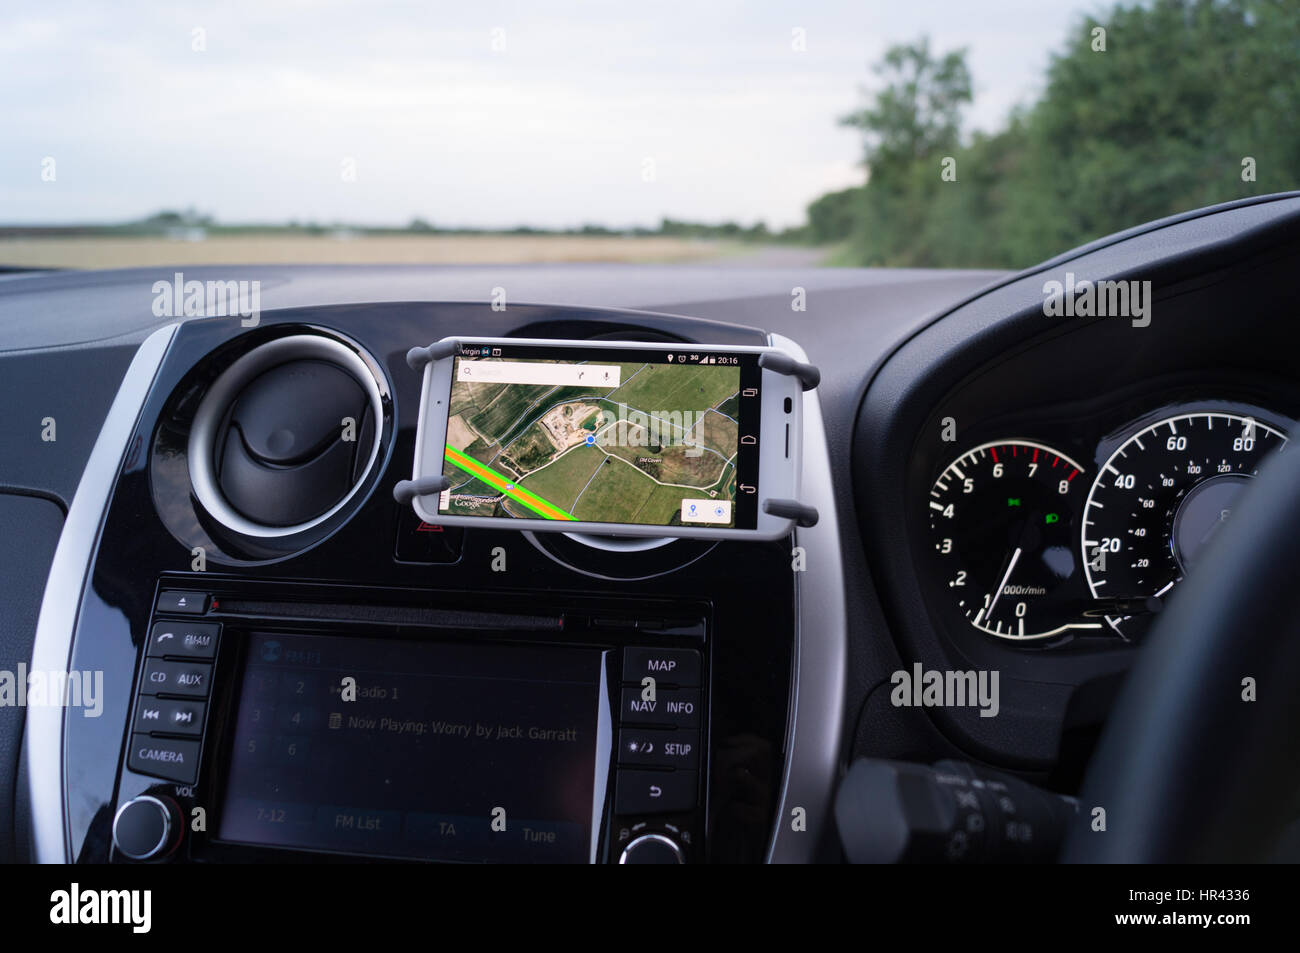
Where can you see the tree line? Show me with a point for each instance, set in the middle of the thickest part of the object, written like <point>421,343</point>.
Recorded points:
<point>1149,110</point>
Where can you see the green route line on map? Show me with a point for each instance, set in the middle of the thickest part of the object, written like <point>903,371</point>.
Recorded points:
<point>510,488</point>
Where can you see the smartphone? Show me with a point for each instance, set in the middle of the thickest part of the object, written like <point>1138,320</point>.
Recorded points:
<point>609,437</point>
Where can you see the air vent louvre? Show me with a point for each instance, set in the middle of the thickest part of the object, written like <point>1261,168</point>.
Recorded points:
<point>285,435</point>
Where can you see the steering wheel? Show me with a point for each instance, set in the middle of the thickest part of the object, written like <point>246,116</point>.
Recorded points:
<point>1200,758</point>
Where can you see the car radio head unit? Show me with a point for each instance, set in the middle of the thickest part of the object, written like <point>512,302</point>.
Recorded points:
<point>399,730</point>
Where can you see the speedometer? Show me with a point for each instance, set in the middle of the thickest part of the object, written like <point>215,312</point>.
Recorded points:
<point>1159,500</point>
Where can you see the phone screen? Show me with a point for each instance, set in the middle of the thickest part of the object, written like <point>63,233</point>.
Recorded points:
<point>604,435</point>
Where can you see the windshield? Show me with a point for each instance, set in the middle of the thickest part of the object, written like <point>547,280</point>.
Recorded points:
<point>939,133</point>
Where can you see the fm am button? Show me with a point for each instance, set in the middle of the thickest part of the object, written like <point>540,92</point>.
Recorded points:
<point>669,666</point>
<point>184,639</point>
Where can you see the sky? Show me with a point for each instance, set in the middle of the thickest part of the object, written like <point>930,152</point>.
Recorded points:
<point>487,114</point>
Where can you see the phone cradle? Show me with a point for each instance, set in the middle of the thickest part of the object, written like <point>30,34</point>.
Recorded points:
<point>808,377</point>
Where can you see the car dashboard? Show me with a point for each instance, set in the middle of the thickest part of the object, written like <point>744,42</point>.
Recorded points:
<point>1006,482</point>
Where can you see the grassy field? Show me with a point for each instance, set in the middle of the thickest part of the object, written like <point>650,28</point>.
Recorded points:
<point>617,492</point>
<point>133,252</point>
<point>662,387</point>
<point>562,481</point>
<point>717,431</point>
<point>662,508</point>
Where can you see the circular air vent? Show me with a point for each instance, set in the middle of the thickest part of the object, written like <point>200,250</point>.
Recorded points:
<point>285,436</point>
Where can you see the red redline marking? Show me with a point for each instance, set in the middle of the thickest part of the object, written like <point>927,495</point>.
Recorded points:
<point>1013,449</point>
<point>1035,460</point>
<point>1055,461</point>
<point>994,451</point>
<point>1072,476</point>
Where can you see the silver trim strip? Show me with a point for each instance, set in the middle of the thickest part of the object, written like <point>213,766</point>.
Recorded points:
<point>815,722</point>
<point>604,742</point>
<point>52,649</point>
<point>659,838</point>
<point>620,544</point>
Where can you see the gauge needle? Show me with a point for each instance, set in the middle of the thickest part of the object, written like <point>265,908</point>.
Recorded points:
<point>1015,557</point>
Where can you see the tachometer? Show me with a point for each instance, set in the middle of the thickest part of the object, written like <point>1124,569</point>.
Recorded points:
<point>1004,520</point>
<point>1161,497</point>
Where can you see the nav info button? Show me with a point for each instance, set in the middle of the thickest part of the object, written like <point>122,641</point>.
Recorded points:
<point>672,707</point>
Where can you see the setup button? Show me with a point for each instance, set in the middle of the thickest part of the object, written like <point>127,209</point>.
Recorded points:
<point>659,747</point>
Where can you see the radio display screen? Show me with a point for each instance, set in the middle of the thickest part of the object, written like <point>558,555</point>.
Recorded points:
<point>443,751</point>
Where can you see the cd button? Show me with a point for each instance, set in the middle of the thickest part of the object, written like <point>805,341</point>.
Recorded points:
<point>191,679</point>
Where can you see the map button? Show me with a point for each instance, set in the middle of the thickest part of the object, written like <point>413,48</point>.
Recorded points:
<point>671,666</point>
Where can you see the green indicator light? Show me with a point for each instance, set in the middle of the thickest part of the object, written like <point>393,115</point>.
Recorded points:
<point>1013,501</point>
<point>1051,518</point>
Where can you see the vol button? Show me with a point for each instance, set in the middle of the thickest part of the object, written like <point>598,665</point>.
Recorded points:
<point>145,828</point>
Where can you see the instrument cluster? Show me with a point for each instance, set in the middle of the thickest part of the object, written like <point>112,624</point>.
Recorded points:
<point>1037,546</point>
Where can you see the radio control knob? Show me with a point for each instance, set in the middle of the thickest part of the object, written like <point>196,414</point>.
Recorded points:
<point>652,849</point>
<point>146,828</point>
